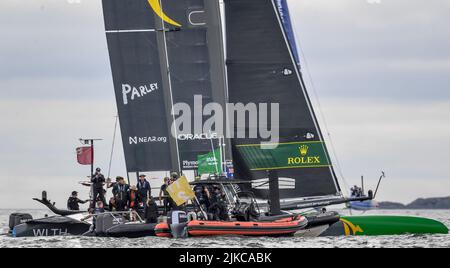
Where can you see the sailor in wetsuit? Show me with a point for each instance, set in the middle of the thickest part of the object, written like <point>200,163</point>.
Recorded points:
<point>98,180</point>
<point>203,196</point>
<point>100,209</point>
<point>120,192</point>
<point>133,198</point>
<point>218,204</point>
<point>151,211</point>
<point>144,189</point>
<point>74,202</point>
<point>164,195</point>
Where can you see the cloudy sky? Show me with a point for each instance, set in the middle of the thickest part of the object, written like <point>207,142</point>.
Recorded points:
<point>380,69</point>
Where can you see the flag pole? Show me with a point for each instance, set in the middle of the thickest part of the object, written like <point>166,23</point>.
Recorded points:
<point>92,157</point>
<point>91,143</point>
<point>201,209</point>
<point>214,153</point>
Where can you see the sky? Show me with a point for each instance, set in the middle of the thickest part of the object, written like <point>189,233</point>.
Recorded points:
<point>378,71</point>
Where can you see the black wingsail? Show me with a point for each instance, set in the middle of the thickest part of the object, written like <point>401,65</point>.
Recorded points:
<point>262,69</point>
<point>164,52</point>
<point>196,64</point>
<point>141,91</point>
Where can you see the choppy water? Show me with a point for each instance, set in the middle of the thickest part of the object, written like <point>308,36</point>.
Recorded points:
<point>409,241</point>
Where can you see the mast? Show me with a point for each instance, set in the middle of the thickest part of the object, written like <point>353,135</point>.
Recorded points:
<point>167,80</point>
<point>194,58</point>
<point>217,54</point>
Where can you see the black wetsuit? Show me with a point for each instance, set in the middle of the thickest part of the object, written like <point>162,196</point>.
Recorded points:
<point>202,196</point>
<point>166,198</point>
<point>151,213</point>
<point>144,191</point>
<point>98,193</point>
<point>120,193</point>
<point>218,206</point>
<point>74,203</point>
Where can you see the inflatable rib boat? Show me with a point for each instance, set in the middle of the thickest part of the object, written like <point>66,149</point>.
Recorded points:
<point>286,226</point>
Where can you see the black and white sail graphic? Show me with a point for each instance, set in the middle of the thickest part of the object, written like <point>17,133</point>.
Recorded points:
<point>164,52</point>
<point>262,69</point>
<point>139,84</point>
<point>196,65</point>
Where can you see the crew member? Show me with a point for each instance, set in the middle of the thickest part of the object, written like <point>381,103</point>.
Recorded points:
<point>133,198</point>
<point>92,214</point>
<point>120,192</point>
<point>203,196</point>
<point>98,180</point>
<point>174,177</point>
<point>112,205</point>
<point>164,195</point>
<point>100,207</point>
<point>74,202</point>
<point>151,211</point>
<point>218,205</point>
<point>144,189</point>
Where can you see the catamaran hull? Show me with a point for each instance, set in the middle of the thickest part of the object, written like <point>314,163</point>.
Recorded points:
<point>364,206</point>
<point>131,231</point>
<point>48,227</point>
<point>384,225</point>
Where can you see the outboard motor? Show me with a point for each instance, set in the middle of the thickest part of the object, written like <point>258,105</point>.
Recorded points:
<point>178,221</point>
<point>104,222</point>
<point>17,219</point>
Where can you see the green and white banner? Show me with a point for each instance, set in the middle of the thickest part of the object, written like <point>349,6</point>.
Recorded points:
<point>286,156</point>
<point>210,163</point>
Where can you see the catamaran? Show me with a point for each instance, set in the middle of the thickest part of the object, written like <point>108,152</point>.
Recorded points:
<point>226,51</point>
<point>163,53</point>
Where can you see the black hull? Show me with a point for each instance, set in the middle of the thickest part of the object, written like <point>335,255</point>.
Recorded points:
<point>50,227</point>
<point>321,219</point>
<point>131,231</point>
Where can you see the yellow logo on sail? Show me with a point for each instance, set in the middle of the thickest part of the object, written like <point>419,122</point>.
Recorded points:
<point>304,159</point>
<point>156,6</point>
<point>304,150</point>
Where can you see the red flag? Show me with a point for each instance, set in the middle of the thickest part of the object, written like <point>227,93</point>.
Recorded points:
<point>84,155</point>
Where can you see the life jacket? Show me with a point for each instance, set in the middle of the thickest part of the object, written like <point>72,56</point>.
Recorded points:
<point>133,199</point>
<point>121,193</point>
<point>143,188</point>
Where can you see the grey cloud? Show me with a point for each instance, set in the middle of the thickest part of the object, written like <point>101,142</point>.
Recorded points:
<point>393,50</point>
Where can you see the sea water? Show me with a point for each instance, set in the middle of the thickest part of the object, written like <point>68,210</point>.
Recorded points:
<point>408,241</point>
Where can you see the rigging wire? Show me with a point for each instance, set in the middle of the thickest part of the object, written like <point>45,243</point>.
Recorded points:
<point>169,76</point>
<point>112,147</point>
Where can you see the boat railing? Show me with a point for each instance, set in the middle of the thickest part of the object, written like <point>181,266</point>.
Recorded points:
<point>115,214</point>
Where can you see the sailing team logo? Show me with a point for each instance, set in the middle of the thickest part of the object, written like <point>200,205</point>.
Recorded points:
<point>351,229</point>
<point>306,157</point>
<point>288,155</point>
<point>157,8</point>
<point>304,150</point>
